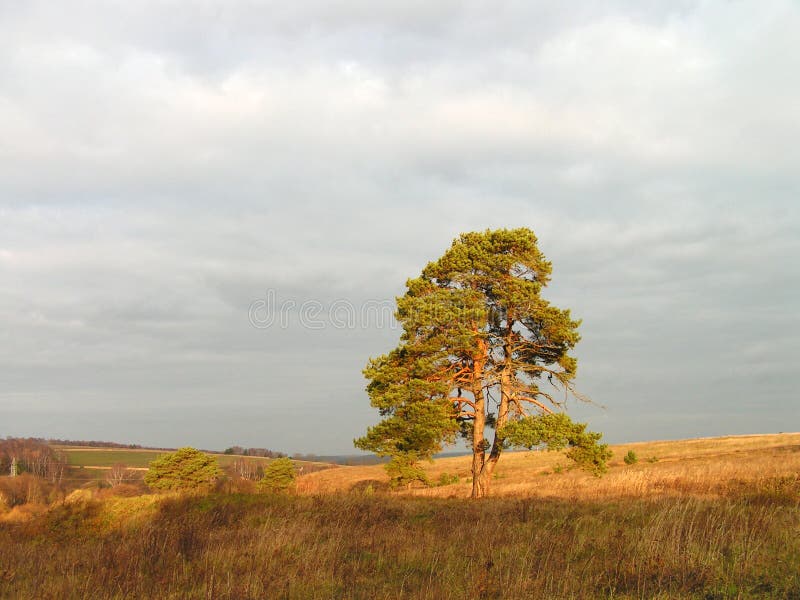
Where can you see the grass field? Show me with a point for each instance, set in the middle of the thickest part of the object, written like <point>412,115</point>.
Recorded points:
<point>702,519</point>
<point>104,458</point>
<point>357,546</point>
<point>107,457</point>
<point>700,467</point>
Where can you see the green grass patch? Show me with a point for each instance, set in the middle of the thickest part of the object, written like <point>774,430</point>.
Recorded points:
<point>108,458</point>
<point>101,457</point>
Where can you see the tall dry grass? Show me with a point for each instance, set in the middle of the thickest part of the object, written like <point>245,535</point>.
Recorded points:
<point>356,546</point>
<point>709,520</point>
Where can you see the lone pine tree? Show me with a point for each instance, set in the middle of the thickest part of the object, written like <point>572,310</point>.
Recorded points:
<point>480,350</point>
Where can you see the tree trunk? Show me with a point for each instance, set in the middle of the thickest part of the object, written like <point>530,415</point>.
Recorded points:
<point>482,474</point>
<point>478,488</point>
<point>478,443</point>
<point>483,481</point>
<point>478,425</point>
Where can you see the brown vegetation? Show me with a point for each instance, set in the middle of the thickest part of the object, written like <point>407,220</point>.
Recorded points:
<point>709,519</point>
<point>353,546</point>
<point>30,455</point>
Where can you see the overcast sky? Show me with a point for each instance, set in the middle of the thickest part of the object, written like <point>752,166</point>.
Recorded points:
<point>166,165</point>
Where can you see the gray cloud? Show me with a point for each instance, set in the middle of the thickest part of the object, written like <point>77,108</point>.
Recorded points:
<point>164,164</point>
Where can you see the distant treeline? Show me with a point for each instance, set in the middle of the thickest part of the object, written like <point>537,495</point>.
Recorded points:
<point>355,460</point>
<point>97,444</point>
<point>351,460</point>
<point>262,452</point>
<point>341,459</point>
<point>369,459</point>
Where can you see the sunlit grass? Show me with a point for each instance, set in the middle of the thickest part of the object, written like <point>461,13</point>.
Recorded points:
<point>352,546</point>
<point>703,468</point>
<point>710,519</point>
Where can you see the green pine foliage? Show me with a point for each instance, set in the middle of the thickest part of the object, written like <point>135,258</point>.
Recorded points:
<point>556,431</point>
<point>631,458</point>
<point>186,469</point>
<point>279,476</point>
<point>481,349</point>
<point>448,479</point>
<point>404,469</point>
<point>419,418</point>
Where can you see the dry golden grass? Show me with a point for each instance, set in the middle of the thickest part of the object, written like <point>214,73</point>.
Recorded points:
<point>704,468</point>
<point>710,520</point>
<point>243,546</point>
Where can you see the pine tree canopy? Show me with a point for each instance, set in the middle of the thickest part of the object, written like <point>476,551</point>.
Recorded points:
<point>480,349</point>
<point>185,469</point>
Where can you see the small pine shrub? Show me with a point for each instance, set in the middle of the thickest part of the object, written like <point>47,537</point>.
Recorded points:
<point>405,470</point>
<point>279,476</point>
<point>448,479</point>
<point>631,458</point>
<point>186,469</point>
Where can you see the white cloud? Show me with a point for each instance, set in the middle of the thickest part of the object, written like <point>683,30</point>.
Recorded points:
<point>163,164</point>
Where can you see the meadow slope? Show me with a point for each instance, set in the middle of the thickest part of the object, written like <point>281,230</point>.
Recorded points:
<point>702,467</point>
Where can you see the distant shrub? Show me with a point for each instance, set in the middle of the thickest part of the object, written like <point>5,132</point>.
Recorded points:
<point>631,458</point>
<point>125,490</point>
<point>448,479</point>
<point>558,469</point>
<point>405,470</point>
<point>236,485</point>
<point>279,476</point>
<point>117,474</point>
<point>186,469</point>
<point>25,489</point>
<point>652,459</point>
